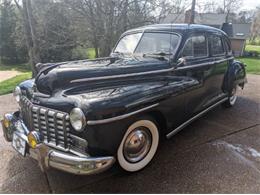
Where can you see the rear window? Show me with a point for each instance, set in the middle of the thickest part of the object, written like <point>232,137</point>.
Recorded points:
<point>217,45</point>
<point>227,46</point>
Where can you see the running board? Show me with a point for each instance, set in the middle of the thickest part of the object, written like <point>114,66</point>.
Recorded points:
<point>175,131</point>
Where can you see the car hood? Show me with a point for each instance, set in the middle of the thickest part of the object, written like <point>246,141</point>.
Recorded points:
<point>60,76</point>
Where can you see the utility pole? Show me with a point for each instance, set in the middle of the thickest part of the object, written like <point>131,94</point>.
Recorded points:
<point>192,14</point>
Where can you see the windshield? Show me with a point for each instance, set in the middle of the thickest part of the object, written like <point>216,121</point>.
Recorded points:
<point>150,43</point>
<point>128,43</point>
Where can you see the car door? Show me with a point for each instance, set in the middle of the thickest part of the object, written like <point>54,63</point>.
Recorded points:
<point>197,65</point>
<point>219,60</point>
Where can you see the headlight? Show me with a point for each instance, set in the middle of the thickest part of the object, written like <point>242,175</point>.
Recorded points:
<point>77,119</point>
<point>17,93</point>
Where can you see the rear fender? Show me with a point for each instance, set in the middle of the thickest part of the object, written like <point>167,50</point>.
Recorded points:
<point>235,76</point>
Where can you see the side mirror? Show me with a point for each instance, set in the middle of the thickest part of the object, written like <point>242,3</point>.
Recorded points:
<point>181,62</point>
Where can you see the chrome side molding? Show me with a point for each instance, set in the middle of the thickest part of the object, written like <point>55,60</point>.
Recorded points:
<point>109,120</point>
<point>178,129</point>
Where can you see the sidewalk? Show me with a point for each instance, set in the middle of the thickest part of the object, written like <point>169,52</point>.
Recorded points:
<point>4,75</point>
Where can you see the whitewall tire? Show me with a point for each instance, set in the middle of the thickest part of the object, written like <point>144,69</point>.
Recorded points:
<point>138,146</point>
<point>231,99</point>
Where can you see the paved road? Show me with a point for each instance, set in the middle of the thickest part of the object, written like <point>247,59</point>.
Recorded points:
<point>219,153</point>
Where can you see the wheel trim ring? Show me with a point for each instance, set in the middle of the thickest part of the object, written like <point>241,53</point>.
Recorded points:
<point>132,167</point>
<point>233,97</point>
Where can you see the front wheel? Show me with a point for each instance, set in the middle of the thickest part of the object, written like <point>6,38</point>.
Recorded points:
<point>231,99</point>
<point>139,145</point>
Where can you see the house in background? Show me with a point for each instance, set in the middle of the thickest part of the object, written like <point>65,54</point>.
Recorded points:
<point>209,19</point>
<point>238,33</point>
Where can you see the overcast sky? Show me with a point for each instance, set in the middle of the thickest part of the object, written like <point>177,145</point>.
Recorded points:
<point>247,4</point>
<point>250,4</point>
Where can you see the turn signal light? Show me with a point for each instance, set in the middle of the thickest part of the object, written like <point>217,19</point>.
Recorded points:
<point>7,120</point>
<point>33,139</point>
<point>6,123</point>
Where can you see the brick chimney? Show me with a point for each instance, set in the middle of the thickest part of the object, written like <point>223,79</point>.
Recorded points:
<point>187,16</point>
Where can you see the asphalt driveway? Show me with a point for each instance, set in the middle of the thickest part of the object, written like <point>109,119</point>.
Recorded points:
<point>219,153</point>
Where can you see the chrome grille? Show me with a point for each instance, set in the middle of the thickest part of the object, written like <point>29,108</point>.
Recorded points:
<point>52,124</point>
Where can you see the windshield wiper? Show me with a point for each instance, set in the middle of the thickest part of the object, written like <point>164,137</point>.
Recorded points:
<point>158,55</point>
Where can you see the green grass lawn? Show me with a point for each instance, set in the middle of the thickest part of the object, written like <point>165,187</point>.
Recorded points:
<point>81,53</point>
<point>253,65</point>
<point>91,53</point>
<point>8,86</point>
<point>16,67</point>
<point>253,48</point>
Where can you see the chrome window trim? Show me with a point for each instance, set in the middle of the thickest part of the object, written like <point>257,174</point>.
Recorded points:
<point>120,117</point>
<point>205,64</point>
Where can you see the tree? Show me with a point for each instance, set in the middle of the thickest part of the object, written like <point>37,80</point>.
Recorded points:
<point>55,31</point>
<point>105,20</point>
<point>48,31</point>
<point>30,32</point>
<point>7,28</point>
<point>245,16</point>
<point>192,15</point>
<point>255,29</point>
<point>230,6</point>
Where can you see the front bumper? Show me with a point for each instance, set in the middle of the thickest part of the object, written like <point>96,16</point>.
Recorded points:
<point>52,158</point>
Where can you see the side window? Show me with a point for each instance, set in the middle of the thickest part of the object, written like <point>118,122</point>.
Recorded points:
<point>217,46</point>
<point>196,46</point>
<point>227,46</point>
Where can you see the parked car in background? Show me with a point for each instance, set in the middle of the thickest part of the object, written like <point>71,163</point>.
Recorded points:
<point>82,116</point>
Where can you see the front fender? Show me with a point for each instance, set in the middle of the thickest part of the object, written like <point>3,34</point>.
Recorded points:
<point>104,138</point>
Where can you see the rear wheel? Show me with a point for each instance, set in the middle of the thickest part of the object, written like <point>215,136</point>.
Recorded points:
<point>139,145</point>
<point>231,99</point>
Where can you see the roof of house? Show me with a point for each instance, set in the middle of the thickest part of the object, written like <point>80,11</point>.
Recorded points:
<point>210,19</point>
<point>176,27</point>
<point>174,18</point>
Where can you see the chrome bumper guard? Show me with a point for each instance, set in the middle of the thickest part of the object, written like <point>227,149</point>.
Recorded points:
<point>51,158</point>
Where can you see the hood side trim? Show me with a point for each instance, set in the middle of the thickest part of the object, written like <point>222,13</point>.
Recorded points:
<point>122,75</point>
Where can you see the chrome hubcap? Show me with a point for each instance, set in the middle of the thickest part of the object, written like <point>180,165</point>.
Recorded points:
<point>137,145</point>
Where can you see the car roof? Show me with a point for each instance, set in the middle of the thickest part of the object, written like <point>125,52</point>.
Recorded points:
<point>181,28</point>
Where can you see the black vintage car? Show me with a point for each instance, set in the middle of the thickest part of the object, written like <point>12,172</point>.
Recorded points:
<point>82,116</point>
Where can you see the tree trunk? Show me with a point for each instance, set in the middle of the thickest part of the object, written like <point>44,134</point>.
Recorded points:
<point>31,40</point>
<point>192,15</point>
